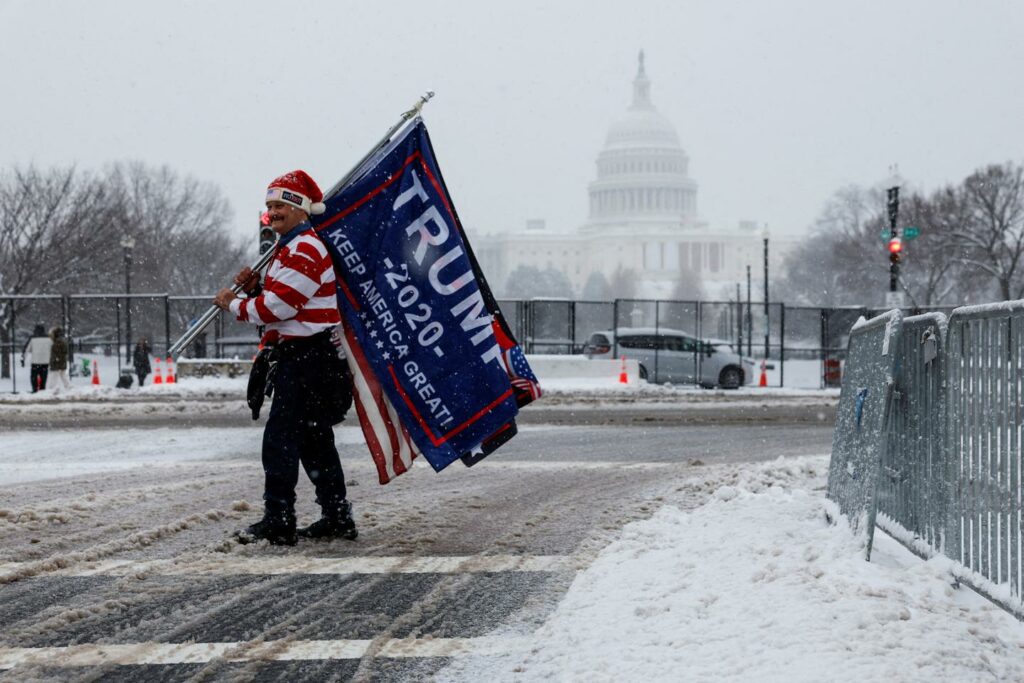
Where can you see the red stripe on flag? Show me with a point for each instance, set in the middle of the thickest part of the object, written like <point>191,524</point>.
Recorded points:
<point>375,407</point>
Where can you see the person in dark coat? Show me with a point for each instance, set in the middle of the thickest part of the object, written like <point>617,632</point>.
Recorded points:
<point>140,359</point>
<point>59,359</point>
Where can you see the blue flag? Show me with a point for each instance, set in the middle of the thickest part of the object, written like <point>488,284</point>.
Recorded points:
<point>437,369</point>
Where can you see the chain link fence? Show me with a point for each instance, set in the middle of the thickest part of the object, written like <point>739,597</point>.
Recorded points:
<point>800,346</point>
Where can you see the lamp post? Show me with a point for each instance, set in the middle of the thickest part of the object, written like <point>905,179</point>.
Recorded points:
<point>128,243</point>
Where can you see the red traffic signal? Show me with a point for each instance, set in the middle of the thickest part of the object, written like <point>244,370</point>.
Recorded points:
<point>265,218</point>
<point>895,249</point>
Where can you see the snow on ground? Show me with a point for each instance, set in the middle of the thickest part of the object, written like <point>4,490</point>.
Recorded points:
<point>797,374</point>
<point>752,585</point>
<point>755,585</point>
<point>35,455</point>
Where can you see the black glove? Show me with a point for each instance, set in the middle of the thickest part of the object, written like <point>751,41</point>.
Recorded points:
<point>261,379</point>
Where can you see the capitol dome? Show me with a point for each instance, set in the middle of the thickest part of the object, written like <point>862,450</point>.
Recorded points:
<point>642,169</point>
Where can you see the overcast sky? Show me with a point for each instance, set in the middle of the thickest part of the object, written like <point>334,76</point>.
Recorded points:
<point>778,104</point>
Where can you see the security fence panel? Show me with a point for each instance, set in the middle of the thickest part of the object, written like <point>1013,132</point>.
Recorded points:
<point>96,326</point>
<point>19,317</point>
<point>808,364</point>
<point>635,313</point>
<point>859,441</point>
<point>836,326</point>
<point>551,325</point>
<point>916,489</point>
<point>678,347</point>
<point>145,317</point>
<point>984,439</point>
<point>591,317</point>
<point>718,321</point>
<point>513,311</point>
<point>803,333</point>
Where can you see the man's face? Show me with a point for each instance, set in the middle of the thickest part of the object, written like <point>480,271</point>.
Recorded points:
<point>284,217</point>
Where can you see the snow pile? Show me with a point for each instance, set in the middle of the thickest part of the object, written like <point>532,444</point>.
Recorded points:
<point>756,585</point>
<point>191,388</point>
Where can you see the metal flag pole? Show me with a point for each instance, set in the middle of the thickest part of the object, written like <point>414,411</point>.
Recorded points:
<point>211,314</point>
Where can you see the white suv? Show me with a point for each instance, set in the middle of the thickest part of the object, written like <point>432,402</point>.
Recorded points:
<point>673,356</point>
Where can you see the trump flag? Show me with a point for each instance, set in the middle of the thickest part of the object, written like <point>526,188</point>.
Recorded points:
<point>437,370</point>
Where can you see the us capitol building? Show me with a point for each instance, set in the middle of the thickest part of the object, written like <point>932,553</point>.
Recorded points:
<point>643,218</point>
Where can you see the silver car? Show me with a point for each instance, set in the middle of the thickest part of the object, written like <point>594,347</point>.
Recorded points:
<point>673,356</point>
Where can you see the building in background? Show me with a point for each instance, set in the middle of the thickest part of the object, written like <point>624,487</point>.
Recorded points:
<point>643,220</point>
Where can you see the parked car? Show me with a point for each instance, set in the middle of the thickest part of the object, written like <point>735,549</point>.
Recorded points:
<point>673,356</point>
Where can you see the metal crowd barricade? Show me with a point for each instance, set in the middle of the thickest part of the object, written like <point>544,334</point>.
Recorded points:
<point>859,441</point>
<point>951,473</point>
<point>916,488</point>
<point>984,440</point>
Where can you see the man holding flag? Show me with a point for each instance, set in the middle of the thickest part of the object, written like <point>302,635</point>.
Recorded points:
<point>297,304</point>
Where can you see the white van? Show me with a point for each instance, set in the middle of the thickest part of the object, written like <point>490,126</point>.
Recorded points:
<point>673,356</point>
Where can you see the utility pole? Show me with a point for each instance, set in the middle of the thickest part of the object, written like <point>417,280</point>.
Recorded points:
<point>750,322</point>
<point>895,244</point>
<point>127,243</point>
<point>767,319</point>
<point>739,319</point>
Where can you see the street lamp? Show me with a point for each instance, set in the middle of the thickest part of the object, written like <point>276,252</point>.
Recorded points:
<point>128,243</point>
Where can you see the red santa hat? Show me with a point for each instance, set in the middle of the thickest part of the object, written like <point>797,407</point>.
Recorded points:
<point>299,190</point>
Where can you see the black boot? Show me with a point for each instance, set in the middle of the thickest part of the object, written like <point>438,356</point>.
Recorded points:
<point>277,528</point>
<point>336,522</point>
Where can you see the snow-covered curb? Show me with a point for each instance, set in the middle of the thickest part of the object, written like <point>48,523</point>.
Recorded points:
<point>756,585</point>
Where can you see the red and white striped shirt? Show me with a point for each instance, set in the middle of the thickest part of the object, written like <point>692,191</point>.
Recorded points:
<point>299,290</point>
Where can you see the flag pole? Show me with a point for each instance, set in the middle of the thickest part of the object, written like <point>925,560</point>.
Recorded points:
<point>211,314</point>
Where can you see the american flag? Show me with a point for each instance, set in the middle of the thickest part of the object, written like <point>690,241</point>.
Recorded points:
<point>390,446</point>
<point>522,377</point>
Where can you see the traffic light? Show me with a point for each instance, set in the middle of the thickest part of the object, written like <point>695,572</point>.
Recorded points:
<point>895,249</point>
<point>267,236</point>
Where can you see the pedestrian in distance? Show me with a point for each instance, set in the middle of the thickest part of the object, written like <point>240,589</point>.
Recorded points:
<point>38,350</point>
<point>140,360</point>
<point>59,360</point>
<point>310,383</point>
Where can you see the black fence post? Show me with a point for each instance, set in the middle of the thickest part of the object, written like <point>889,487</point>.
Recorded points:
<point>615,329</point>
<point>782,345</point>
<point>167,322</point>
<point>14,348</point>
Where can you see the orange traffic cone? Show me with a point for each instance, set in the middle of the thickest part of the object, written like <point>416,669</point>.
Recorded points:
<point>157,375</point>
<point>39,383</point>
<point>623,377</point>
<point>95,372</point>
<point>764,374</point>
<point>170,370</point>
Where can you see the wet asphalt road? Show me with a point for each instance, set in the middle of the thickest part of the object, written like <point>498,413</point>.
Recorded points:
<point>136,573</point>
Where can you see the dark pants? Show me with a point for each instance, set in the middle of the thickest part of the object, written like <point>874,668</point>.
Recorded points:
<point>39,373</point>
<point>142,376</point>
<point>299,427</point>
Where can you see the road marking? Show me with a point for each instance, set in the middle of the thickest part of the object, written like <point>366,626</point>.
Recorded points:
<point>298,564</point>
<point>279,650</point>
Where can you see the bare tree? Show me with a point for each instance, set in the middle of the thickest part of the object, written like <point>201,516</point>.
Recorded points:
<point>63,229</point>
<point>596,288</point>
<point>933,271</point>
<point>991,236</point>
<point>180,229</point>
<point>843,260</point>
<point>688,286</point>
<point>623,283</point>
<point>527,282</point>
